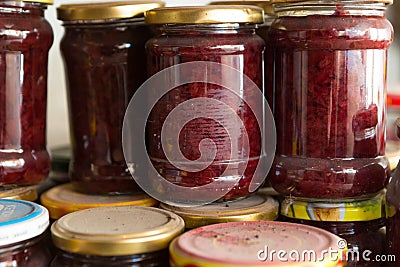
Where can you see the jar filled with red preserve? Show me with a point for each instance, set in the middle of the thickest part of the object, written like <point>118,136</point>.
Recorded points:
<point>262,30</point>
<point>360,222</point>
<point>24,240</point>
<point>330,90</point>
<point>26,38</point>
<point>115,236</point>
<point>104,56</point>
<point>393,219</point>
<point>220,120</point>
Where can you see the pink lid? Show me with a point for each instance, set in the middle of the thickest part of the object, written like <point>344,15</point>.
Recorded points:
<point>253,243</point>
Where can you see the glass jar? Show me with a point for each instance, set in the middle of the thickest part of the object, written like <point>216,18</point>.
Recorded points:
<point>64,199</point>
<point>115,236</point>
<point>252,244</point>
<point>262,30</point>
<point>26,38</point>
<point>23,237</point>
<point>358,221</point>
<point>258,207</point>
<point>330,88</point>
<point>217,34</point>
<point>393,219</point>
<point>104,56</point>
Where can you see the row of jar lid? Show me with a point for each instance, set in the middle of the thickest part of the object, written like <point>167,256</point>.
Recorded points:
<point>132,230</point>
<point>63,199</point>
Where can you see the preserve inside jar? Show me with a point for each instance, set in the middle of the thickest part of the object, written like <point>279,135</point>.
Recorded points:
<point>330,89</point>
<point>24,46</point>
<point>115,236</point>
<point>23,237</point>
<point>254,244</point>
<point>358,221</point>
<point>207,34</point>
<point>393,218</point>
<point>103,51</point>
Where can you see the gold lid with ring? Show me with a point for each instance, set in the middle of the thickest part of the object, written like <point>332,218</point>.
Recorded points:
<point>105,10</point>
<point>63,199</point>
<point>266,4</point>
<point>28,193</point>
<point>116,231</point>
<point>258,207</point>
<point>211,14</point>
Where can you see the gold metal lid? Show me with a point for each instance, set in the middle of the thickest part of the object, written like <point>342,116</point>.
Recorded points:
<point>47,2</point>
<point>63,199</point>
<point>266,4</point>
<point>116,231</point>
<point>258,207</point>
<point>211,14</point>
<point>105,10</point>
<point>28,193</point>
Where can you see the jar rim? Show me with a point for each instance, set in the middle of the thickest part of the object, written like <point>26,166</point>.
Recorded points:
<point>264,4</point>
<point>105,10</point>
<point>211,14</point>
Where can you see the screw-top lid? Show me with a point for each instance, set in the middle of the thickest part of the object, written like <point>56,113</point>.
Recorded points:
<point>258,207</point>
<point>349,211</point>
<point>21,220</point>
<point>105,10</point>
<point>266,4</point>
<point>244,244</point>
<point>63,199</point>
<point>116,231</point>
<point>28,193</point>
<point>211,14</point>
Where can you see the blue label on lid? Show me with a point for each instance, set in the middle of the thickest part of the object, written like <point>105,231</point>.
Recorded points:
<point>16,211</point>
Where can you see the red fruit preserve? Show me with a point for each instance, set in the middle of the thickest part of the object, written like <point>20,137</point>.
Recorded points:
<point>208,34</point>
<point>330,92</point>
<point>103,49</point>
<point>26,38</point>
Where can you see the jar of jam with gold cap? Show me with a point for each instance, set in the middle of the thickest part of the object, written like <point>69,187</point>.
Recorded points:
<point>330,92</point>
<point>115,236</point>
<point>26,38</point>
<point>208,38</point>
<point>258,207</point>
<point>23,237</point>
<point>105,62</point>
<point>358,221</point>
<point>64,199</point>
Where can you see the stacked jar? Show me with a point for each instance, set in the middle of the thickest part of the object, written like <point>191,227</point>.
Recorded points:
<point>210,61</point>
<point>330,93</point>
<point>26,38</point>
<point>104,56</point>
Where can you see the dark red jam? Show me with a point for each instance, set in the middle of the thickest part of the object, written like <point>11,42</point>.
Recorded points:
<point>239,48</point>
<point>393,218</point>
<point>35,252</point>
<point>361,237</point>
<point>330,87</point>
<point>25,40</point>
<point>153,259</point>
<point>100,83</point>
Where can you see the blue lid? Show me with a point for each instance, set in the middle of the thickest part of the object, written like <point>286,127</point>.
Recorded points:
<point>21,220</point>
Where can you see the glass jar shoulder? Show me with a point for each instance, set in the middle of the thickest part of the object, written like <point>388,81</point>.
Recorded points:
<point>211,43</point>
<point>333,31</point>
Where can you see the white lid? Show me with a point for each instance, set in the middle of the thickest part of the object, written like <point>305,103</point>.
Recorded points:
<point>21,220</point>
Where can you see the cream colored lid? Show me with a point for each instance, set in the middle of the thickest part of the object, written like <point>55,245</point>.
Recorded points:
<point>116,231</point>
<point>258,207</point>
